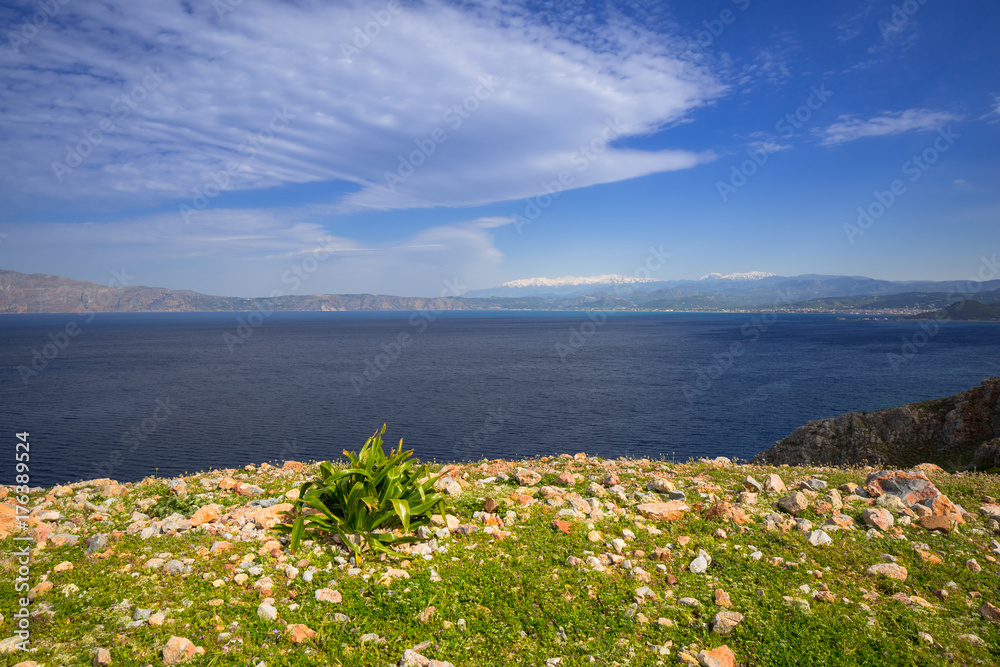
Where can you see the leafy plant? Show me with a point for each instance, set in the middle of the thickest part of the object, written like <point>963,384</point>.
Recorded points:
<point>168,505</point>
<point>367,501</point>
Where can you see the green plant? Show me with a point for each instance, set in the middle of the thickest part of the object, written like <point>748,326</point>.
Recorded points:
<point>168,505</point>
<point>367,501</point>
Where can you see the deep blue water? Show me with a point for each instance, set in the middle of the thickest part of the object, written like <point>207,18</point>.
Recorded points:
<point>135,394</point>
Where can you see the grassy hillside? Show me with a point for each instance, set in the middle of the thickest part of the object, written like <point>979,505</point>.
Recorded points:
<point>503,588</point>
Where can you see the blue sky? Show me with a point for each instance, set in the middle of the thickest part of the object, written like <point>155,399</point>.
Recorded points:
<point>408,147</point>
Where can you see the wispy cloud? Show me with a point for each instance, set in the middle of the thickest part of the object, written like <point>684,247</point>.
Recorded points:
<point>850,128</point>
<point>356,104</point>
<point>250,250</point>
<point>851,26</point>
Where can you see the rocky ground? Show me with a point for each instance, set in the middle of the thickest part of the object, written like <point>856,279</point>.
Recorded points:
<point>554,561</point>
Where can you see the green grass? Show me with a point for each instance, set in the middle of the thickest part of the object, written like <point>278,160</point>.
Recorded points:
<point>504,602</point>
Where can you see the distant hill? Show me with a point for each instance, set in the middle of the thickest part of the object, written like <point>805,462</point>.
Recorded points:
<point>42,293</point>
<point>924,301</point>
<point>967,311</point>
<point>752,290</point>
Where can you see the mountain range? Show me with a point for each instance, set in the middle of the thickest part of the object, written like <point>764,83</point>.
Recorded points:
<point>42,293</point>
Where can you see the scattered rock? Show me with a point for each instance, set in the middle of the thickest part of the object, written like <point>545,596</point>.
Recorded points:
<point>526,477</point>
<point>102,657</point>
<point>10,644</point>
<point>298,633</point>
<point>448,485</point>
<point>660,485</point>
<point>722,599</point>
<point>890,570</point>
<point>329,595</point>
<point>936,522</point>
<point>563,526</point>
<point>725,621</point>
<point>206,514</point>
<point>717,657</point>
<point>878,517</point>
<point>773,484</point>
<point>990,612</point>
<point>175,567</point>
<point>413,659</point>
<point>975,640</point>
<point>267,612</point>
<point>98,542</point>
<point>911,488</point>
<point>566,479</point>
<point>666,511</point>
<point>727,512</point>
<point>818,537</point>
<point>40,589</point>
<point>662,554</point>
<point>813,484</point>
<point>700,564</point>
<point>794,503</point>
<point>177,650</point>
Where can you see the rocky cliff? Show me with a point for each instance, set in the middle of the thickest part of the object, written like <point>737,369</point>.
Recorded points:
<point>946,431</point>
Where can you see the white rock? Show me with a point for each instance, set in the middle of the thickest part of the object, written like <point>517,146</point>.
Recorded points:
<point>818,537</point>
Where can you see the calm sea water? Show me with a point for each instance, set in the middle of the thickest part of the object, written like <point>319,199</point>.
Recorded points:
<point>128,395</point>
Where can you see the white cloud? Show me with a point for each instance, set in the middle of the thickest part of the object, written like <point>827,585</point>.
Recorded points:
<point>850,128</point>
<point>250,252</point>
<point>346,107</point>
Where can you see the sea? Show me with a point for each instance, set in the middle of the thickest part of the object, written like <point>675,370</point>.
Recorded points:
<point>130,395</point>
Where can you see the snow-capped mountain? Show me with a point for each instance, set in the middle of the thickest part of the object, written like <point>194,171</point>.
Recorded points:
<point>566,281</point>
<point>749,275</point>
